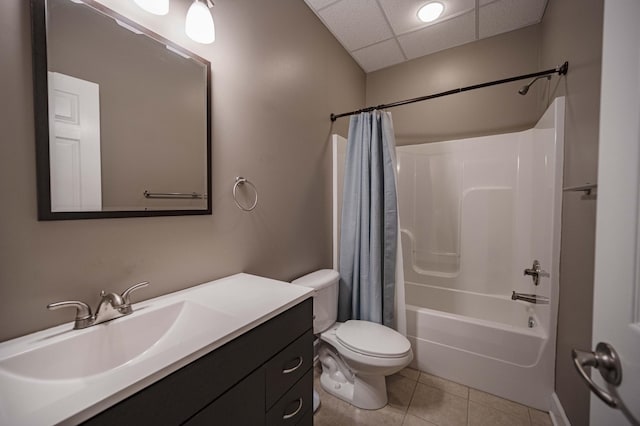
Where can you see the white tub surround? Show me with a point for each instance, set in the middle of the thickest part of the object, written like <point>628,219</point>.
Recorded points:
<point>474,214</point>
<point>41,387</point>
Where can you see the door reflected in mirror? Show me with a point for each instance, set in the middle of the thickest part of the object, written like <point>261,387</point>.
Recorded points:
<point>123,127</point>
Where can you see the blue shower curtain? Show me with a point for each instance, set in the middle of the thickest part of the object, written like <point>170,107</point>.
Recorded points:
<point>369,225</point>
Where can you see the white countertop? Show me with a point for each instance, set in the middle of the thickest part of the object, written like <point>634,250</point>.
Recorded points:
<point>244,301</point>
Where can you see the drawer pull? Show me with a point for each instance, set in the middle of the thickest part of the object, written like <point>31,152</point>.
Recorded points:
<point>292,369</point>
<point>288,416</point>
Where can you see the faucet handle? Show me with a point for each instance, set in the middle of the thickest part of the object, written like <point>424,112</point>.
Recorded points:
<point>535,269</point>
<point>536,272</point>
<point>125,294</point>
<point>83,311</point>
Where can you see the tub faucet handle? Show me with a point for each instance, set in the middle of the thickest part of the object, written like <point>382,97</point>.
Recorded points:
<point>536,272</point>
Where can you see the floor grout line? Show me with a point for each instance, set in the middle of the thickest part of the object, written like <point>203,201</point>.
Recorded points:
<point>443,390</point>
<point>467,407</point>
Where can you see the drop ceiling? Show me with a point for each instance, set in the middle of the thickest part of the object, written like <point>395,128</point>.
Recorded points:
<point>381,33</point>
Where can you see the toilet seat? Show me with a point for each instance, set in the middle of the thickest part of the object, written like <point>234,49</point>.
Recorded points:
<point>371,339</point>
<point>363,363</point>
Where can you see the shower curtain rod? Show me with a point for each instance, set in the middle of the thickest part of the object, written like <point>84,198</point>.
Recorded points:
<point>561,70</point>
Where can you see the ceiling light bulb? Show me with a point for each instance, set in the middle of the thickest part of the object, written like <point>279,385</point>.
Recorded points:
<point>157,7</point>
<point>430,11</point>
<point>199,26</point>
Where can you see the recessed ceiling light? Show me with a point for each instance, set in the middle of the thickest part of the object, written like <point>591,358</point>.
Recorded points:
<point>430,11</point>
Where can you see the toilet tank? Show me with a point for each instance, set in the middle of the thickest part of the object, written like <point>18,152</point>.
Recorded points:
<point>325,298</point>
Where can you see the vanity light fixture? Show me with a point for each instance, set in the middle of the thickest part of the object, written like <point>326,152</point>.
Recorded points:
<point>157,7</point>
<point>199,25</point>
<point>430,11</point>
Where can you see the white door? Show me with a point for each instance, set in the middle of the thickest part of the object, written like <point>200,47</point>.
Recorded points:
<point>74,144</point>
<point>616,311</point>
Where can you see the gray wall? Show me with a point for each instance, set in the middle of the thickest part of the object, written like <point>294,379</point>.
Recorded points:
<point>497,109</point>
<point>572,31</point>
<point>277,75</point>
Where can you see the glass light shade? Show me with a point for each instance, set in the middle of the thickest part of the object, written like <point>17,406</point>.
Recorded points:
<point>430,11</point>
<point>199,26</point>
<point>157,7</point>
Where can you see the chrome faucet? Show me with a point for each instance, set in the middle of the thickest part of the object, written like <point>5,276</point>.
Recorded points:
<point>111,306</point>
<point>536,272</point>
<point>531,298</point>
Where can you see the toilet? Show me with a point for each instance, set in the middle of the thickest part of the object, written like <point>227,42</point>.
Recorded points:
<point>355,355</point>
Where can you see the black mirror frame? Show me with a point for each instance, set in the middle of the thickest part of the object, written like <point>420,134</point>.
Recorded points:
<point>41,117</point>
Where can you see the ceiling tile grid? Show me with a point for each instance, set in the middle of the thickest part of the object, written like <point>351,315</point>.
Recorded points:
<point>356,23</point>
<point>379,55</point>
<point>447,34</point>
<point>382,33</point>
<point>402,14</point>
<point>503,16</point>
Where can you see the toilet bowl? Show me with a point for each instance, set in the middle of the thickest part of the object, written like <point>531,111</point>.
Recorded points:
<point>355,355</point>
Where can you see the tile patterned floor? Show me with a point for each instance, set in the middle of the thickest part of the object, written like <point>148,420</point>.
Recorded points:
<point>420,399</point>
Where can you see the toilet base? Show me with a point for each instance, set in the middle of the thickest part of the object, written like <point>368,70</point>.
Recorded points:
<point>367,392</point>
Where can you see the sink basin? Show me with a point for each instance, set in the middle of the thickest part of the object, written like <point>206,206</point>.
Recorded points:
<point>64,377</point>
<point>104,347</point>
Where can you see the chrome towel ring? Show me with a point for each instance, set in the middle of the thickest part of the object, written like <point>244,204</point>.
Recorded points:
<point>241,181</point>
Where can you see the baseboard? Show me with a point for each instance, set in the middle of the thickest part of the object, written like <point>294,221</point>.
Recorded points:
<point>558,416</point>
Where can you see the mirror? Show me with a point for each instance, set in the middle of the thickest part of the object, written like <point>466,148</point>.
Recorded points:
<point>122,117</point>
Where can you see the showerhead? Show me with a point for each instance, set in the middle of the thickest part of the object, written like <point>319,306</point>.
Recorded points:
<point>524,89</point>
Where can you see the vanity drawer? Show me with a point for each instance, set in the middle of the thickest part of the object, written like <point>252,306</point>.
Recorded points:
<point>287,367</point>
<point>242,405</point>
<point>293,407</point>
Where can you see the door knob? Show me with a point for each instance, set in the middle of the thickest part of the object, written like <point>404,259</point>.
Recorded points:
<point>607,361</point>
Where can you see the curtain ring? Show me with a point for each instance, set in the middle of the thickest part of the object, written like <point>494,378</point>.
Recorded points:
<point>241,180</point>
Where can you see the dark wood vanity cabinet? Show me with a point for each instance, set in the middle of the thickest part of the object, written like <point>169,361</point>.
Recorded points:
<point>263,377</point>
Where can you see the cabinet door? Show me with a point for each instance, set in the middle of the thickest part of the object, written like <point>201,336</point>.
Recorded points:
<point>242,405</point>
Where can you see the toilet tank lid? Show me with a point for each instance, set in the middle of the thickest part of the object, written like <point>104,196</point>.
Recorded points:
<point>318,279</point>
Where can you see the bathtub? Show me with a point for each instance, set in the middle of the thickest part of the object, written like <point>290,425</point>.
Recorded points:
<point>493,327</point>
<point>482,341</point>
<point>474,213</point>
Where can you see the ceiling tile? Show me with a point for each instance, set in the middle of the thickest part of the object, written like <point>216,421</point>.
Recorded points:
<point>403,15</point>
<point>381,33</point>
<point>380,55</point>
<point>356,23</point>
<point>443,35</point>
<point>507,15</point>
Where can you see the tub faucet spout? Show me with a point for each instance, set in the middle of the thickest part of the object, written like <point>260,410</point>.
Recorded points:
<point>531,298</point>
